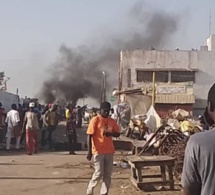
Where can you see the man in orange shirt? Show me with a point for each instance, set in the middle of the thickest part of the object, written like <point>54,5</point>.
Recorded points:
<point>100,145</point>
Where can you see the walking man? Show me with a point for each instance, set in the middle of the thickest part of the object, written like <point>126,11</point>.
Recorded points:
<point>100,145</point>
<point>13,127</point>
<point>31,125</point>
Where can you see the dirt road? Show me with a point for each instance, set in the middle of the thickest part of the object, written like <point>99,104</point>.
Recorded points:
<point>57,173</point>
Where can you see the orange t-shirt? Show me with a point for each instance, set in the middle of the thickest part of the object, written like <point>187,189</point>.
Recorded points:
<point>100,143</point>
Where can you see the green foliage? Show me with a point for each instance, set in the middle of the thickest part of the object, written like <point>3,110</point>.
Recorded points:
<point>2,78</point>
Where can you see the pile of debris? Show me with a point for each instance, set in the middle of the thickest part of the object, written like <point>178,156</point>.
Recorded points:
<point>180,120</point>
<point>168,141</point>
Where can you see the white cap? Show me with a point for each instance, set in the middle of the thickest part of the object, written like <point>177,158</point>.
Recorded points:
<point>31,105</point>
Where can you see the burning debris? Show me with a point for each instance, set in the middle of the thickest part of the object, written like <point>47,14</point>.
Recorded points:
<point>77,73</point>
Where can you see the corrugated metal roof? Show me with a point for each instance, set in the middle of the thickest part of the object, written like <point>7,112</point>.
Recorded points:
<point>175,99</point>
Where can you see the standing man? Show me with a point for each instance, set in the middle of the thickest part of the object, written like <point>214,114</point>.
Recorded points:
<point>79,116</point>
<point>51,122</point>
<point>100,132</point>
<point>44,127</point>
<point>198,177</point>
<point>31,125</point>
<point>13,125</point>
<point>25,109</point>
<point>71,129</point>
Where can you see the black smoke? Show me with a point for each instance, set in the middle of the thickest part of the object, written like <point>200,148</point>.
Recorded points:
<point>77,73</point>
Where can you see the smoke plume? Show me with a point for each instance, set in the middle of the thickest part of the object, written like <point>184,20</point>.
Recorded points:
<point>77,73</point>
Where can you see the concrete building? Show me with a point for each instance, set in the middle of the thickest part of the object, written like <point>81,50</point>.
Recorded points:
<point>194,67</point>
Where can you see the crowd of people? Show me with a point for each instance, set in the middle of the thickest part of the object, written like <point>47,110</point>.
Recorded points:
<point>25,122</point>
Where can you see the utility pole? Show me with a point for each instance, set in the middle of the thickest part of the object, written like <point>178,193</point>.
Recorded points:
<point>103,87</point>
<point>153,89</point>
<point>104,79</point>
<point>210,23</point>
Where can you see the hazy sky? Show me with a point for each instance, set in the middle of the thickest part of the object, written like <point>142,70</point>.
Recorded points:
<point>33,30</point>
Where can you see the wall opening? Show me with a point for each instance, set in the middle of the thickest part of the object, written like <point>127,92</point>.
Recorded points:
<point>182,76</point>
<point>165,76</point>
<point>146,76</point>
<point>129,77</point>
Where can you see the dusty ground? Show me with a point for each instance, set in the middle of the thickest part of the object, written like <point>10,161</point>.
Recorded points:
<point>57,173</point>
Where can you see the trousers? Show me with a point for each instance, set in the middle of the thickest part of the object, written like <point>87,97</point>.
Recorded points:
<point>31,141</point>
<point>44,139</point>
<point>72,138</point>
<point>8,140</point>
<point>103,164</point>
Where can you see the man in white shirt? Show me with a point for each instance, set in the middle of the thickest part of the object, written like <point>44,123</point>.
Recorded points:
<point>12,120</point>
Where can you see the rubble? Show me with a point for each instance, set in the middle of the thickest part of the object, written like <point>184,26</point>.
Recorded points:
<point>169,139</point>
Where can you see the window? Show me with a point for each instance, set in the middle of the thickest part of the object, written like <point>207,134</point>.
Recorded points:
<point>182,76</point>
<point>146,76</point>
<point>129,77</point>
<point>165,76</point>
<point>161,76</point>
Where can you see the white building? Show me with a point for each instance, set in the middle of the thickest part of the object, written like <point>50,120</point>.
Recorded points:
<point>197,66</point>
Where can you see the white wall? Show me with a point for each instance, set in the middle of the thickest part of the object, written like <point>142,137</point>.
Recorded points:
<point>204,61</point>
<point>7,99</point>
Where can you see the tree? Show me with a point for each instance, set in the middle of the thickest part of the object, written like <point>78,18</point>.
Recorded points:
<point>2,79</point>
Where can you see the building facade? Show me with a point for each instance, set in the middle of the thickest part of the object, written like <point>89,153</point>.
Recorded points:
<point>171,67</point>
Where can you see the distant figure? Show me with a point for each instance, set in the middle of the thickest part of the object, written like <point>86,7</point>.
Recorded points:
<point>71,128</point>
<point>51,122</point>
<point>79,116</point>
<point>25,108</point>
<point>13,127</point>
<point>44,126</point>
<point>94,113</point>
<point>31,127</point>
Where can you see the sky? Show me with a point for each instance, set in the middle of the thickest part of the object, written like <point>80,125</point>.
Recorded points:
<point>32,31</point>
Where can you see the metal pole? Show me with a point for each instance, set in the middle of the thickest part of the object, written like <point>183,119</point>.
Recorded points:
<point>104,86</point>
<point>153,89</point>
<point>101,90</point>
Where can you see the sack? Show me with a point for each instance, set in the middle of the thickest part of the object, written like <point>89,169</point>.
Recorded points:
<point>17,131</point>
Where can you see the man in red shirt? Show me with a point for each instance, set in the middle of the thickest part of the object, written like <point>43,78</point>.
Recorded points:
<point>100,145</point>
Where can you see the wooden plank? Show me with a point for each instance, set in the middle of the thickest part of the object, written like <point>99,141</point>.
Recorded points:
<point>134,182</point>
<point>161,158</point>
<point>139,175</point>
<point>133,173</point>
<point>151,164</point>
<point>138,143</point>
<point>151,176</point>
<point>163,173</point>
<point>151,183</point>
<point>170,171</point>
